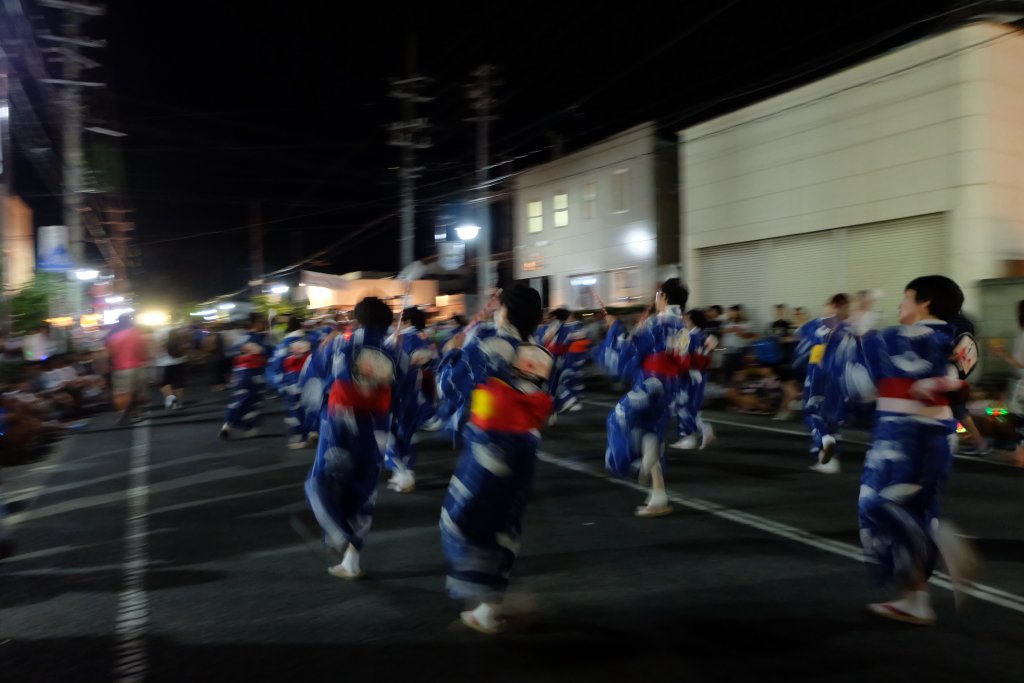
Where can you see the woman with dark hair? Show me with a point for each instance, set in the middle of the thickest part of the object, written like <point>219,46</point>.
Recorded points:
<point>342,485</point>
<point>661,352</point>
<point>482,517</point>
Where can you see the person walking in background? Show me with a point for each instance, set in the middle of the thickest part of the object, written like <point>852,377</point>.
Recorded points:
<point>172,359</point>
<point>128,361</point>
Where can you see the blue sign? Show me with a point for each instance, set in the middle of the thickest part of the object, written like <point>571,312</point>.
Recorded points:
<point>53,254</point>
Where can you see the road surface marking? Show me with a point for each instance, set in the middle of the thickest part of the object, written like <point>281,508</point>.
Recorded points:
<point>133,602</point>
<point>980,591</point>
<point>797,432</point>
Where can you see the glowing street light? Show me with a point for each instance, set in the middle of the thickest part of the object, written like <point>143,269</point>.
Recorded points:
<point>467,231</point>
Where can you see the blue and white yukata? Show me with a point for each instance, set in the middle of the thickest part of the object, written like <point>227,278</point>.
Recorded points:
<point>655,363</point>
<point>315,380</point>
<point>413,406</point>
<point>482,517</point>
<point>693,382</point>
<point>283,374</point>
<point>912,445</point>
<point>612,352</point>
<point>342,486</point>
<point>567,342</point>
<point>247,383</point>
<point>824,396</point>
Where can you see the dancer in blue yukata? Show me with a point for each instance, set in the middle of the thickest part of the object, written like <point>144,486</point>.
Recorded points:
<point>248,380</point>
<point>694,432</point>
<point>612,354</point>
<point>342,486</point>
<point>824,398</point>
<point>636,427</point>
<point>909,371</point>
<point>567,342</point>
<point>283,375</point>
<point>414,404</point>
<point>482,518</point>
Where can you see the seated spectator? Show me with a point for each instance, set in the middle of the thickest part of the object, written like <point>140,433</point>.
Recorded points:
<point>755,388</point>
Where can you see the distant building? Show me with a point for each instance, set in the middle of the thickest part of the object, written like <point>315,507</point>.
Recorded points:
<point>909,164</point>
<point>602,222</point>
<point>19,254</point>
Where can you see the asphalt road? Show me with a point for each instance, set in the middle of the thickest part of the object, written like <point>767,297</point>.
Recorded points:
<point>159,552</point>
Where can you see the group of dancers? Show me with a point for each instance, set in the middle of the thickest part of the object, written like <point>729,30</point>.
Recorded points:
<point>497,382</point>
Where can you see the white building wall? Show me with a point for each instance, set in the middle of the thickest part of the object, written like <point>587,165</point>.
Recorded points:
<point>608,240</point>
<point>1005,144</point>
<point>903,135</point>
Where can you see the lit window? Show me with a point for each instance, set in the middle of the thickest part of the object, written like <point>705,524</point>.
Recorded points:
<point>582,292</point>
<point>589,200</point>
<point>620,191</point>
<point>561,210</point>
<point>535,212</point>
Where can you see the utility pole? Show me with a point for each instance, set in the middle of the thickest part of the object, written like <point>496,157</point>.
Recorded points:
<point>482,101</point>
<point>407,135</point>
<point>74,14</point>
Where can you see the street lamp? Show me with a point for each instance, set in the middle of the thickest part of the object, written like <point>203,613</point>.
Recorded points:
<point>467,231</point>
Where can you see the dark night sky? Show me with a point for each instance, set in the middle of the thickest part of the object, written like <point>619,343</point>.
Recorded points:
<point>226,105</point>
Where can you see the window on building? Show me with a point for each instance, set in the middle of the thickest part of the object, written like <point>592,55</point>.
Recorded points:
<point>535,213</point>
<point>626,285</point>
<point>582,292</point>
<point>620,191</point>
<point>561,205</point>
<point>590,200</point>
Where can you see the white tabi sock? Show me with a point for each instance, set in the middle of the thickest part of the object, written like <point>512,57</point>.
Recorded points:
<point>486,615</point>
<point>650,451</point>
<point>350,562</point>
<point>657,499</point>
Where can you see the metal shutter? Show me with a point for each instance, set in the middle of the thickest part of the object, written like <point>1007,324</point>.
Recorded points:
<point>888,255</point>
<point>806,270</point>
<point>736,274</point>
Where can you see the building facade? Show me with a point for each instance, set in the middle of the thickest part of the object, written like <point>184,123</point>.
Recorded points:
<point>601,224</point>
<point>909,164</point>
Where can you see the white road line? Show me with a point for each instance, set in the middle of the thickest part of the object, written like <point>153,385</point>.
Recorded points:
<point>980,591</point>
<point>133,602</point>
<point>83,483</point>
<point>797,432</point>
<point>187,481</point>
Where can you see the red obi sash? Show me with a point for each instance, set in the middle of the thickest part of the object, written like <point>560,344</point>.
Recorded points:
<point>578,346</point>
<point>497,407</point>
<point>671,365</point>
<point>899,387</point>
<point>251,361</point>
<point>346,394</point>
<point>295,363</point>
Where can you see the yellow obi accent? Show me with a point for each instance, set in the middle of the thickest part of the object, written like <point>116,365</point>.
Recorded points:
<point>482,404</point>
<point>817,354</point>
